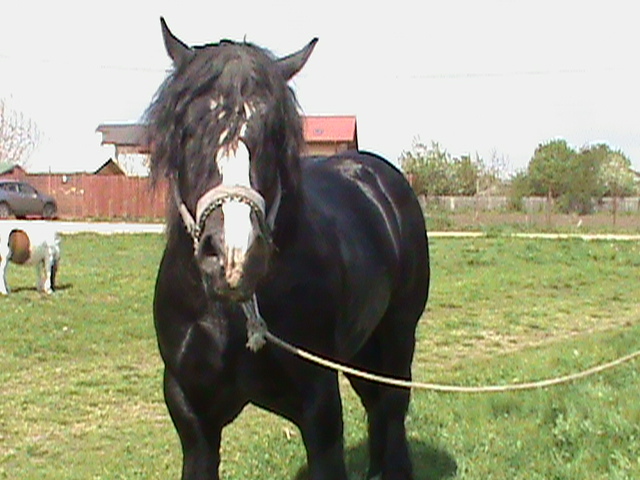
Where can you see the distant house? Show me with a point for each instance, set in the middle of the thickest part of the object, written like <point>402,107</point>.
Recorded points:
<point>127,138</point>
<point>131,144</point>
<point>110,167</point>
<point>323,135</point>
<point>327,135</point>
<point>11,170</point>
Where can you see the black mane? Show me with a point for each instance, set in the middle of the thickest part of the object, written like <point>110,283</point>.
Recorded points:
<point>184,130</point>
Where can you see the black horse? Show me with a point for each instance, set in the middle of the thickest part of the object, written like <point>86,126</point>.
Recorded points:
<point>331,252</point>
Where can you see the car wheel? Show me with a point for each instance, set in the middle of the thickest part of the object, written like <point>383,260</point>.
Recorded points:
<point>5,211</point>
<point>49,211</point>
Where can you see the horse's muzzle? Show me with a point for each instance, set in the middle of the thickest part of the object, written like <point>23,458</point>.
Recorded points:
<point>232,266</point>
<point>231,272</point>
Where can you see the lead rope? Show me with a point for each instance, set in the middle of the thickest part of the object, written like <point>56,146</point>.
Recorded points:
<point>257,329</point>
<point>258,333</point>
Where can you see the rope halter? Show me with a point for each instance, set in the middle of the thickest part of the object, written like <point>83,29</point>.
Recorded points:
<point>216,197</point>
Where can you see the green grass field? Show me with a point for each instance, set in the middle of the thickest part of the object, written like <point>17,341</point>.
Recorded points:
<point>80,375</point>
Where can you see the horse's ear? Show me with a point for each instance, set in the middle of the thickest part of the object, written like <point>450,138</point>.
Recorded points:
<point>292,64</point>
<point>176,48</point>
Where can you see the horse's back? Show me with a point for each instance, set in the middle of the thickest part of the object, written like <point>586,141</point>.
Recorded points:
<point>363,189</point>
<point>370,220</point>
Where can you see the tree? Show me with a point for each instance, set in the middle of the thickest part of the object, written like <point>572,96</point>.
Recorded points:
<point>549,170</point>
<point>19,136</point>
<point>520,188</point>
<point>465,175</point>
<point>494,172</point>
<point>432,171</point>
<point>617,178</point>
<point>582,185</point>
<point>574,179</point>
<point>428,169</point>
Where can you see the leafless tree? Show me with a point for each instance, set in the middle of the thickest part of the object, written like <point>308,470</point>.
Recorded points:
<point>19,135</point>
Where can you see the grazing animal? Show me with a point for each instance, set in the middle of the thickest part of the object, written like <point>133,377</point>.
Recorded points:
<point>331,252</point>
<point>30,243</point>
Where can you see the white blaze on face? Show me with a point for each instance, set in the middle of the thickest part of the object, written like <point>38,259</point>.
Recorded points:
<point>238,231</point>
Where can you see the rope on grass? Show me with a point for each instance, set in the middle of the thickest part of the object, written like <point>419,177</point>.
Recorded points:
<point>397,382</point>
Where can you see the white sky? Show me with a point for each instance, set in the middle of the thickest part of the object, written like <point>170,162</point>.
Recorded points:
<point>492,77</point>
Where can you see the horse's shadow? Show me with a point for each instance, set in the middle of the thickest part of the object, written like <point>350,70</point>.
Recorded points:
<point>429,463</point>
<point>58,288</point>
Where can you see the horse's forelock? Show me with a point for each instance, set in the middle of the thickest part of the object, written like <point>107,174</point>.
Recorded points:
<point>184,131</point>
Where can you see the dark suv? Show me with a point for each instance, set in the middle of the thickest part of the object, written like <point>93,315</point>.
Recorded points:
<point>22,200</point>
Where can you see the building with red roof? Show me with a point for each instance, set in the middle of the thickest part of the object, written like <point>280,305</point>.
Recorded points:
<point>327,135</point>
<point>323,135</point>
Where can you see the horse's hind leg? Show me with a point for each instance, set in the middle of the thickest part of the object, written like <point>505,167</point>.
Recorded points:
<point>43,276</point>
<point>54,274</point>
<point>46,270</point>
<point>51,269</point>
<point>388,352</point>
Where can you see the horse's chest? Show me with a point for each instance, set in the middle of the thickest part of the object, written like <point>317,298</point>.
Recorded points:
<point>212,355</point>
<point>332,310</point>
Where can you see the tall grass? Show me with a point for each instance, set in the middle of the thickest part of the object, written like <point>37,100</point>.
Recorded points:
<point>80,376</point>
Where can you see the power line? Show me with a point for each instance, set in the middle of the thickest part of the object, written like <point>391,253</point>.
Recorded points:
<point>81,65</point>
<point>517,73</point>
<point>407,76</point>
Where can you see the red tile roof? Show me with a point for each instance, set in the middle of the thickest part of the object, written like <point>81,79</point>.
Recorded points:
<point>330,129</point>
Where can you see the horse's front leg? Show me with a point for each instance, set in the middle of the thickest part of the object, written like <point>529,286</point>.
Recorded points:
<point>322,429</point>
<point>199,433</point>
<point>4,263</point>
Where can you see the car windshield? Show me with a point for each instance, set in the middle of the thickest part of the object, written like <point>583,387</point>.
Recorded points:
<point>9,187</point>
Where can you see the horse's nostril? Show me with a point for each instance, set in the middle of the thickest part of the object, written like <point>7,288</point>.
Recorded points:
<point>209,256</point>
<point>209,248</point>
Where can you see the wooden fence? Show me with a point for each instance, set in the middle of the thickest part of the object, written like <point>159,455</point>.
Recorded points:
<point>102,196</point>
<point>484,203</point>
<point>133,198</point>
